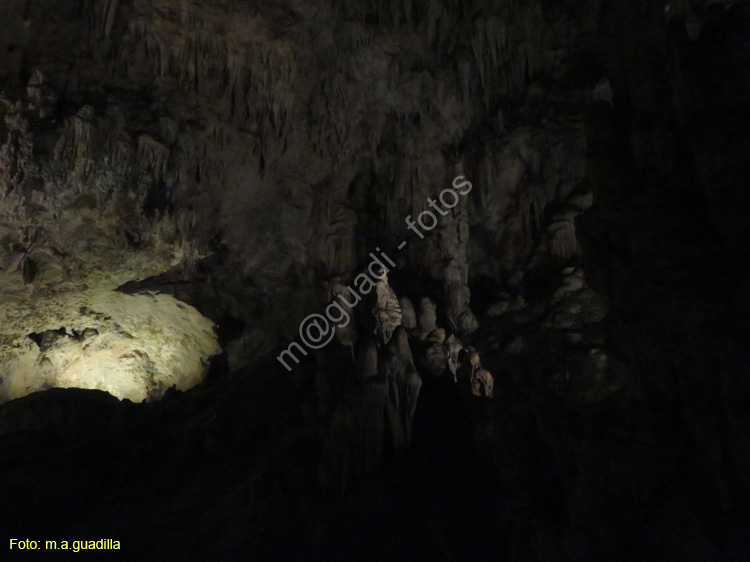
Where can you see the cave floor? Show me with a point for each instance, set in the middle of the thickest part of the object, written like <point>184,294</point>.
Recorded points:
<point>229,469</point>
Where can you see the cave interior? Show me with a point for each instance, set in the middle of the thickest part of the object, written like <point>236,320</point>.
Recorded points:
<point>356,280</point>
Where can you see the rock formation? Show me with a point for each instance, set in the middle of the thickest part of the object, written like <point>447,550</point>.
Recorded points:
<point>427,316</point>
<point>178,180</point>
<point>408,315</point>
<point>482,383</point>
<point>387,310</point>
<point>346,328</point>
<point>404,384</point>
<point>382,393</point>
<point>453,347</point>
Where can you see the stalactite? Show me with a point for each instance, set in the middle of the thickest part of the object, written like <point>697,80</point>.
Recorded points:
<point>100,16</point>
<point>153,155</point>
<point>563,240</point>
<point>602,91</point>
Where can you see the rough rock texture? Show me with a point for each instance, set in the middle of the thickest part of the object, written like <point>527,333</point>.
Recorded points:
<point>133,347</point>
<point>387,310</point>
<point>427,317</point>
<point>453,347</point>
<point>179,129</point>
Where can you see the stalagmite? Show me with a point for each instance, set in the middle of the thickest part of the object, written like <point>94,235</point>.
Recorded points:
<point>408,315</point>
<point>386,390</point>
<point>474,377</point>
<point>367,364</point>
<point>454,240</point>
<point>435,358</point>
<point>354,439</point>
<point>387,310</point>
<point>338,293</point>
<point>427,316</point>
<point>482,383</point>
<point>404,385</point>
<point>453,347</point>
<point>469,364</point>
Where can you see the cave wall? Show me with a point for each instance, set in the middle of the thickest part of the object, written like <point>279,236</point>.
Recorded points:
<point>297,137</point>
<point>291,138</point>
<point>658,470</point>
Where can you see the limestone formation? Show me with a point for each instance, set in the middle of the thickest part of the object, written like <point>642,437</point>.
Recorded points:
<point>132,346</point>
<point>454,243</point>
<point>462,378</point>
<point>436,336</point>
<point>367,364</point>
<point>427,316</point>
<point>506,304</point>
<point>482,383</point>
<point>338,293</point>
<point>408,315</point>
<point>436,359</point>
<point>473,377</point>
<point>387,311</point>
<point>230,156</point>
<point>384,390</point>
<point>354,440</point>
<point>250,145</point>
<point>453,347</point>
<point>404,385</point>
